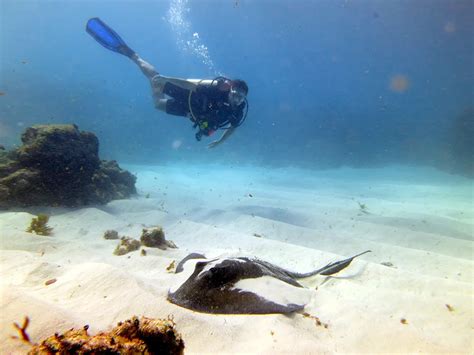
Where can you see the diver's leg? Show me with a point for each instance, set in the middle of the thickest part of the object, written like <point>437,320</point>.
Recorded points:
<point>155,82</point>
<point>160,104</point>
<point>187,84</point>
<point>158,81</point>
<point>145,67</point>
<point>173,107</point>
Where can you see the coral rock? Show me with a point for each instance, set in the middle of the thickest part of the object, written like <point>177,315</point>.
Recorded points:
<point>111,234</point>
<point>58,165</point>
<point>137,336</point>
<point>155,238</point>
<point>126,245</point>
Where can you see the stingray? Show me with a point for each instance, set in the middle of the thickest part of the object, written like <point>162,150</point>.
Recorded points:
<point>217,285</point>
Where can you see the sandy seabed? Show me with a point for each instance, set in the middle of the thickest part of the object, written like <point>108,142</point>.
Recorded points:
<point>413,293</point>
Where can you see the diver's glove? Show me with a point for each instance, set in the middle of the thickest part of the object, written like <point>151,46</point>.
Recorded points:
<point>198,135</point>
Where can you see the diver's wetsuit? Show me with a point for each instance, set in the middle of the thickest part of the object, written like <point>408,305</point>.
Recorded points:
<point>208,103</point>
<point>210,108</point>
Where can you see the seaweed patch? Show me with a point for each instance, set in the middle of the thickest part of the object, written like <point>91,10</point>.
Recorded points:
<point>39,225</point>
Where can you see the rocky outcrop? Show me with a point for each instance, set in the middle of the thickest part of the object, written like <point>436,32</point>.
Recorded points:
<point>134,336</point>
<point>58,165</point>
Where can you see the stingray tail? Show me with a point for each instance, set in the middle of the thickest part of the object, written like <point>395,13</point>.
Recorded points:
<point>332,268</point>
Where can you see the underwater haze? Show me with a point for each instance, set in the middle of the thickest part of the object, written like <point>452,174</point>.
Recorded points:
<point>331,83</point>
<point>338,218</point>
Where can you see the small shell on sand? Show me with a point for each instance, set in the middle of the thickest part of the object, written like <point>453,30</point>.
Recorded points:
<point>50,281</point>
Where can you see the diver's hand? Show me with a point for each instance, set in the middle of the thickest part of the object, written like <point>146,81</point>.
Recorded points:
<point>213,144</point>
<point>224,137</point>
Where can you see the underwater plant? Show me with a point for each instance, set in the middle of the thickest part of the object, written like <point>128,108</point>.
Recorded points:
<point>171,267</point>
<point>39,225</point>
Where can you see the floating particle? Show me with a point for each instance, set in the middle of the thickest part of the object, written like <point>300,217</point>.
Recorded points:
<point>399,83</point>
<point>449,27</point>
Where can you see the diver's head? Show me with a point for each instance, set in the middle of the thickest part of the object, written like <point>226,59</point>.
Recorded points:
<point>238,92</point>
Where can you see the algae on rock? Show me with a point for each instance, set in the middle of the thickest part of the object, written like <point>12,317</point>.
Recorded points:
<point>134,336</point>
<point>126,245</point>
<point>59,165</point>
<point>155,238</point>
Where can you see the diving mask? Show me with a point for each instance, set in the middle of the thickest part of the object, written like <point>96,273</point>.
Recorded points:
<point>236,96</point>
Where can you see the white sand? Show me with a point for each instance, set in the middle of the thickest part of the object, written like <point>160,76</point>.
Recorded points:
<point>419,220</point>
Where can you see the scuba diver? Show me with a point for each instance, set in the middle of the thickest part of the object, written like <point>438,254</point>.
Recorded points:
<point>211,105</point>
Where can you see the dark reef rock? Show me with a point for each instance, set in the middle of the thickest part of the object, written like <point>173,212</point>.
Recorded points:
<point>58,165</point>
<point>111,234</point>
<point>155,238</point>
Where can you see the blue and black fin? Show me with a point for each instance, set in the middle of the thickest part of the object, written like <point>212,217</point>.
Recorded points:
<point>108,37</point>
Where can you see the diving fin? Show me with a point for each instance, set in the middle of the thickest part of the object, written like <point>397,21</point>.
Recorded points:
<point>107,37</point>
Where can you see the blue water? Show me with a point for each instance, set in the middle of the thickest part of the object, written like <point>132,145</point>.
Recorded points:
<point>359,136</point>
<point>332,83</point>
